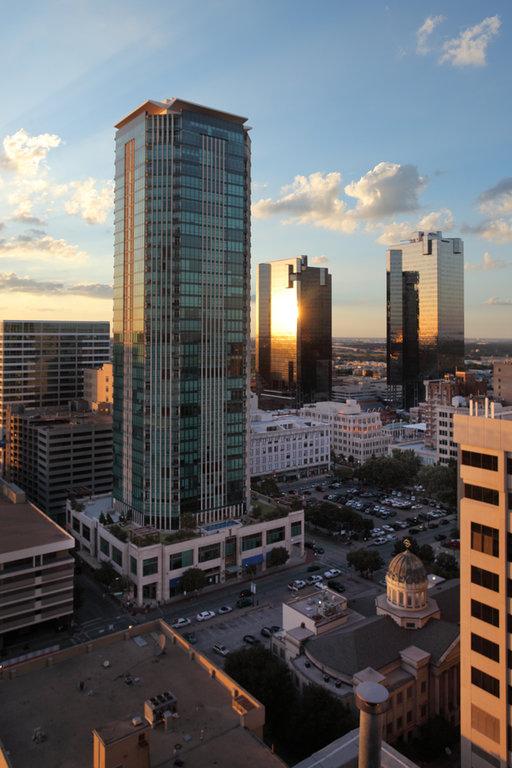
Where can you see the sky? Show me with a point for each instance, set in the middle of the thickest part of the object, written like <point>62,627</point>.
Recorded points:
<point>369,120</point>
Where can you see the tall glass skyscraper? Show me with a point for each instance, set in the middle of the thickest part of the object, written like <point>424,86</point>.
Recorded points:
<point>181,313</point>
<point>425,313</point>
<point>293,333</point>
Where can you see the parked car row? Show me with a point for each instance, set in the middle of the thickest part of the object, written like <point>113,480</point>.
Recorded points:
<point>245,599</point>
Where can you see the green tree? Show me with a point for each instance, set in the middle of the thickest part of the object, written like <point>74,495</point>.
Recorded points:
<point>440,482</point>
<point>446,565</point>
<point>106,575</point>
<point>188,521</point>
<point>277,556</point>
<point>296,504</point>
<point>193,580</point>
<point>365,561</point>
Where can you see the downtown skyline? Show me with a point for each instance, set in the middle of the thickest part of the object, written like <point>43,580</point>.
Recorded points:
<point>387,145</point>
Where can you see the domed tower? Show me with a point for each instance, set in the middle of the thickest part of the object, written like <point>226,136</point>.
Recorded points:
<point>406,600</point>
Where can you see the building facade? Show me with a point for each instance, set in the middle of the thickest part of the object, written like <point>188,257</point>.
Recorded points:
<point>42,362</point>
<point>155,561</point>
<point>181,313</point>
<point>52,453</point>
<point>99,387</point>
<point>36,567</point>
<point>293,333</point>
<point>485,499</point>
<point>354,433</point>
<point>502,380</point>
<point>425,313</point>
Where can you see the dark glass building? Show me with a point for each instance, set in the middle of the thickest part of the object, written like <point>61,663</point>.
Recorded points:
<point>425,313</point>
<point>293,334</point>
<point>181,313</point>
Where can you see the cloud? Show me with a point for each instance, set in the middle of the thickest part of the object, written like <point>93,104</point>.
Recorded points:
<point>488,264</point>
<point>402,230</point>
<point>495,301</point>
<point>495,230</point>
<point>23,217</point>
<point>312,199</point>
<point>38,246</point>
<point>319,261</point>
<point>437,220</point>
<point>24,154</point>
<point>469,49</point>
<point>395,232</point>
<point>90,201</point>
<point>498,199</point>
<point>387,189</point>
<point>11,283</point>
<point>424,32</point>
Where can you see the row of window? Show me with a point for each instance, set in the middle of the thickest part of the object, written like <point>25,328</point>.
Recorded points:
<point>480,460</point>
<point>480,493</point>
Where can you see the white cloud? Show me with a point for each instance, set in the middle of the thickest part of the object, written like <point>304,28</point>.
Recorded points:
<point>10,282</point>
<point>319,261</point>
<point>469,49</point>
<point>488,264</point>
<point>90,200</point>
<point>495,301</point>
<point>424,32</point>
<point>395,232</point>
<point>24,154</point>
<point>436,220</point>
<point>498,199</point>
<point>38,246</point>
<point>402,230</point>
<point>386,189</point>
<point>495,230</point>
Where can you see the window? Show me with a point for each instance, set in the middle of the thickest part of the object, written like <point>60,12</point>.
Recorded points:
<point>104,546</point>
<point>133,565</point>
<point>423,686</point>
<point>485,579</point>
<point>150,566</point>
<point>480,460</point>
<point>399,697</point>
<point>485,613</point>
<point>296,528</point>
<point>399,723</point>
<point>480,493</point>
<point>485,539</point>
<point>409,716</point>
<point>485,682</point>
<point>117,555</point>
<point>86,532</point>
<point>181,559</point>
<point>275,534</point>
<point>485,647</point>
<point>409,692</point>
<point>209,552</point>
<point>485,723</point>
<point>251,542</point>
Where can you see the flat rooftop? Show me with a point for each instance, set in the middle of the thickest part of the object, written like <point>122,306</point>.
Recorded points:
<point>208,729</point>
<point>23,526</point>
<point>319,601</point>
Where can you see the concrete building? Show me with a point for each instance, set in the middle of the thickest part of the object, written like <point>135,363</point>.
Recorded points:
<point>441,392</point>
<point>502,380</point>
<point>42,362</point>
<point>485,502</point>
<point>354,432</point>
<point>99,387</point>
<point>288,446</point>
<point>89,705</point>
<point>411,646</point>
<point>445,444</point>
<point>293,333</point>
<point>181,314</point>
<point>155,561</point>
<point>425,313</point>
<point>54,452</point>
<point>36,567</point>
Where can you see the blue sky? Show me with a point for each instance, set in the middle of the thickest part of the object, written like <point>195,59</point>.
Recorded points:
<point>368,119</point>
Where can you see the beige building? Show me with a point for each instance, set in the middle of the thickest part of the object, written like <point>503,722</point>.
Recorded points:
<point>99,387</point>
<point>502,380</point>
<point>36,567</point>
<point>485,493</point>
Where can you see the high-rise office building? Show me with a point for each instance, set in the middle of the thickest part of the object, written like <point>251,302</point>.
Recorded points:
<point>485,494</point>
<point>181,313</point>
<point>42,362</point>
<point>293,333</point>
<point>425,313</point>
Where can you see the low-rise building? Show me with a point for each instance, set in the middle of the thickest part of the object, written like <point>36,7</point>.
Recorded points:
<point>54,452</point>
<point>354,433</point>
<point>502,380</point>
<point>36,567</point>
<point>99,387</point>
<point>288,445</point>
<point>155,561</point>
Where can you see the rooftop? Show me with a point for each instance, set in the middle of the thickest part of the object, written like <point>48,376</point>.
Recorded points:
<point>23,527</point>
<point>208,728</point>
<point>264,422</point>
<point>174,104</point>
<point>343,753</point>
<point>322,603</point>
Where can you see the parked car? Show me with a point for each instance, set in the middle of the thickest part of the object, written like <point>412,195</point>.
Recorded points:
<point>190,637</point>
<point>266,632</point>
<point>336,586</point>
<point>312,568</point>
<point>319,550</point>
<point>205,615</point>
<point>243,602</point>
<point>294,586</point>
<point>274,629</point>
<point>225,609</point>
<point>313,579</point>
<point>220,649</point>
<point>245,593</point>
<point>331,573</point>
<point>181,623</point>
<point>251,640</point>
<point>309,545</point>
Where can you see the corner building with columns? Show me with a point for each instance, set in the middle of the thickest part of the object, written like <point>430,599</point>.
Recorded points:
<point>181,314</point>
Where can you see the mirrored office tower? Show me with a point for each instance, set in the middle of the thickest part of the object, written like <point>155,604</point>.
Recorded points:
<point>425,313</point>
<point>293,333</point>
<point>181,313</point>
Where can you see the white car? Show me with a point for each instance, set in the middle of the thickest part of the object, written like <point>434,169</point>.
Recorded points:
<point>181,623</point>
<point>294,586</point>
<point>314,579</point>
<point>380,540</point>
<point>205,615</point>
<point>225,609</point>
<point>332,573</point>
<point>387,528</point>
<point>220,649</point>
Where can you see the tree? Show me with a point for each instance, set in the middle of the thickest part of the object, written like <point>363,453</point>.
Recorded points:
<point>365,561</point>
<point>446,565</point>
<point>188,521</point>
<point>424,552</point>
<point>296,504</point>
<point>332,517</point>
<point>389,471</point>
<point>106,575</point>
<point>277,556</point>
<point>440,482</point>
<point>193,580</point>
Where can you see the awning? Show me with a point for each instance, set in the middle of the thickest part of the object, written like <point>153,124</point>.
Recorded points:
<point>254,560</point>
